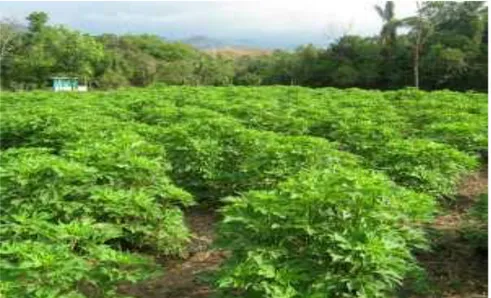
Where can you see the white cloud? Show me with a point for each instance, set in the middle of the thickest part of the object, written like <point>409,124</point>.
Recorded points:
<point>267,16</point>
<point>301,18</point>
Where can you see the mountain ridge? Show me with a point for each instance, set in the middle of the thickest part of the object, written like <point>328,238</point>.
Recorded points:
<point>204,42</point>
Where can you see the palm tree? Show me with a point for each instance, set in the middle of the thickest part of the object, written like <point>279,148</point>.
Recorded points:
<point>388,34</point>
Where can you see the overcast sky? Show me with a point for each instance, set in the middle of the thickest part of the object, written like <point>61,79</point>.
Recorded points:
<point>280,24</point>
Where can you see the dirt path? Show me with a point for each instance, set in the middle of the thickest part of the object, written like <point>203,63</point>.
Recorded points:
<point>181,278</point>
<point>455,269</point>
<point>471,187</point>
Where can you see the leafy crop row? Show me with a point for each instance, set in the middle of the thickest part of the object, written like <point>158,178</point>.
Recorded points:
<point>336,232</point>
<point>433,125</point>
<point>79,193</point>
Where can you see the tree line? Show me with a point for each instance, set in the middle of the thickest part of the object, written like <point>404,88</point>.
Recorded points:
<point>445,45</point>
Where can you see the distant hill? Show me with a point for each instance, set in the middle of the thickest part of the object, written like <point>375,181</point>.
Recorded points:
<point>267,42</point>
<point>238,51</point>
<point>232,48</point>
<point>203,42</point>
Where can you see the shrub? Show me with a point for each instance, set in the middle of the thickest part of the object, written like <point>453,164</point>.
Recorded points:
<point>66,221</point>
<point>424,165</point>
<point>465,136</point>
<point>21,125</point>
<point>326,233</point>
<point>475,229</point>
<point>219,157</point>
<point>43,259</point>
<point>133,189</point>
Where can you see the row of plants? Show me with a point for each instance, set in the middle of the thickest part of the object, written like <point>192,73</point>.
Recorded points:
<point>81,193</point>
<point>295,110</point>
<point>336,232</point>
<point>431,144</point>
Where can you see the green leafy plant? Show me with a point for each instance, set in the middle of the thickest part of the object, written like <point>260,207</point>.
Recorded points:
<point>475,229</point>
<point>334,232</point>
<point>65,225</point>
<point>424,165</point>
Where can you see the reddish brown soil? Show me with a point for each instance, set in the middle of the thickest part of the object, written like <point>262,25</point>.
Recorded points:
<point>181,278</point>
<point>455,269</point>
<point>470,188</point>
<point>475,184</point>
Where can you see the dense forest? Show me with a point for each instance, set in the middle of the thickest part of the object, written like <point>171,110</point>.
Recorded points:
<point>444,45</point>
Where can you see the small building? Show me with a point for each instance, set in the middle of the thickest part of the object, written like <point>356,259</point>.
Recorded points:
<point>67,84</point>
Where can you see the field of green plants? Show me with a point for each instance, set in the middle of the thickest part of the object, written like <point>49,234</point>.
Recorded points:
<point>323,192</point>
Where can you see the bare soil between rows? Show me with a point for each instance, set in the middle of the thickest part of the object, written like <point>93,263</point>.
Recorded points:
<point>182,276</point>
<point>456,269</point>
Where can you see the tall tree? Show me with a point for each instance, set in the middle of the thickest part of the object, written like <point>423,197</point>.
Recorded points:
<point>76,54</point>
<point>453,51</point>
<point>9,32</point>
<point>37,21</point>
<point>421,29</point>
<point>10,35</point>
<point>388,40</point>
<point>388,34</point>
